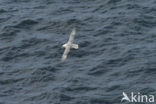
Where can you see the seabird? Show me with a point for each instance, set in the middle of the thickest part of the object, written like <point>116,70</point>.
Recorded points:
<point>69,45</point>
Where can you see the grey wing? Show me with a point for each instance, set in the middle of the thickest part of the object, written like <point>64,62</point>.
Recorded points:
<point>72,35</point>
<point>64,56</point>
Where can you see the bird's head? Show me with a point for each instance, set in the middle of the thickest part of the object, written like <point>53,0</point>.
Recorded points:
<point>64,45</point>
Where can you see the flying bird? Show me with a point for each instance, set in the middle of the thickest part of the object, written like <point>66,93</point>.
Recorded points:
<point>69,45</point>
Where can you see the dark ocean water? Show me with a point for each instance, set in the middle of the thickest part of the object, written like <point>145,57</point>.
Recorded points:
<point>117,51</point>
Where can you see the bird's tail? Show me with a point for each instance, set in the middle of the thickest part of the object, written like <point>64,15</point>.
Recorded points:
<point>75,46</point>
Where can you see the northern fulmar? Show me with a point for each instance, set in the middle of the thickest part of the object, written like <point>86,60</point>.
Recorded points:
<point>69,45</point>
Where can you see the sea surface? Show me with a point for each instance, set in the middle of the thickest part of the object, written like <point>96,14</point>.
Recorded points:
<point>117,51</point>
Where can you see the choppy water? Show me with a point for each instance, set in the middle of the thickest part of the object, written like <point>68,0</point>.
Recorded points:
<point>117,40</point>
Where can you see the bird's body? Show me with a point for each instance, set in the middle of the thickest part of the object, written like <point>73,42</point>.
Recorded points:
<point>69,45</point>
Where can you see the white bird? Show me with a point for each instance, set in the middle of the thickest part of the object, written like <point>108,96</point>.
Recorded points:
<point>69,45</point>
<point>125,97</point>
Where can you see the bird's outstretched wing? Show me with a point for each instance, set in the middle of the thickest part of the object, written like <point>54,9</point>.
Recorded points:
<point>64,56</point>
<point>72,35</point>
